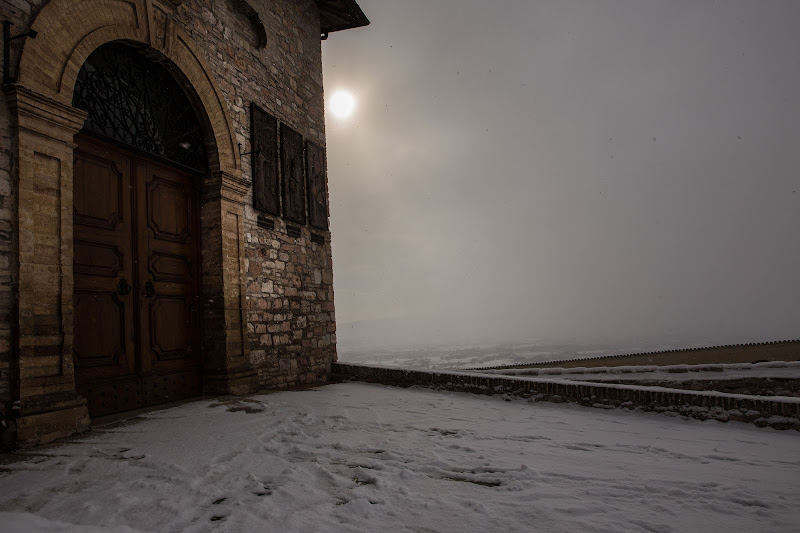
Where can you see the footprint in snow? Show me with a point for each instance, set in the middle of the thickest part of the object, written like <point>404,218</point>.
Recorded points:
<point>264,490</point>
<point>445,432</point>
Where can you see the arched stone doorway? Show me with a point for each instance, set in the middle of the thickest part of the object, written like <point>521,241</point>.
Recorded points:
<point>136,235</point>
<point>46,125</point>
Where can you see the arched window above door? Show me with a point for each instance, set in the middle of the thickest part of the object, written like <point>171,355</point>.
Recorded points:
<point>136,102</point>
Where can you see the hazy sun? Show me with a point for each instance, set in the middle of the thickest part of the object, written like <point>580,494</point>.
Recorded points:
<point>342,104</point>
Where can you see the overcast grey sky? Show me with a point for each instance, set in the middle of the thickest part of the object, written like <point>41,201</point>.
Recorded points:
<point>520,169</point>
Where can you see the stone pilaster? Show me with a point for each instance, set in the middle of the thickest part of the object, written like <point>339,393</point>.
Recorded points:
<point>46,405</point>
<point>227,370</point>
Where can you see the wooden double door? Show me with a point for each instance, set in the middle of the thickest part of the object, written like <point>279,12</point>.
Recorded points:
<point>136,273</point>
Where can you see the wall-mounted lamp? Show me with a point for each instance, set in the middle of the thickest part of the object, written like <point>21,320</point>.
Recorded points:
<point>7,38</point>
<point>241,154</point>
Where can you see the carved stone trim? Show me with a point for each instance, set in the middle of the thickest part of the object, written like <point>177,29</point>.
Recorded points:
<point>227,185</point>
<point>43,116</point>
<point>50,64</point>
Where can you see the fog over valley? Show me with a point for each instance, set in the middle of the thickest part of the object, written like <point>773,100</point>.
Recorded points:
<point>621,175</point>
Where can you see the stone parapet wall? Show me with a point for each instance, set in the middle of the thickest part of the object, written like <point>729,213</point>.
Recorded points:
<point>781,413</point>
<point>737,353</point>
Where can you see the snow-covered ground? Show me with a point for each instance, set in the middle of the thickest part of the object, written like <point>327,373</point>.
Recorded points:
<point>357,457</point>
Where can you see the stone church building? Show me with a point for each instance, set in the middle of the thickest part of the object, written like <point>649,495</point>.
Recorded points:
<point>163,205</point>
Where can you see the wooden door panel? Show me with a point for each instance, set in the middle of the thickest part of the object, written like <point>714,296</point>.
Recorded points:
<point>162,388</point>
<point>113,395</point>
<point>102,257</point>
<point>135,266</point>
<point>170,328</point>
<point>168,235</point>
<point>97,259</point>
<point>168,209</point>
<point>99,187</point>
<point>169,267</point>
<point>99,329</point>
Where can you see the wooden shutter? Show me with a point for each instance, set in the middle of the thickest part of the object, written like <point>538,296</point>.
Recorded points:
<point>264,145</point>
<point>292,175</point>
<point>317,193</point>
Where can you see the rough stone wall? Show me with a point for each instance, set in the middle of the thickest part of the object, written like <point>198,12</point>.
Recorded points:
<point>289,280</point>
<point>289,294</point>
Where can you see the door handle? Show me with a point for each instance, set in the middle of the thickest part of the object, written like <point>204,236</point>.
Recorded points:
<point>124,287</point>
<point>149,290</point>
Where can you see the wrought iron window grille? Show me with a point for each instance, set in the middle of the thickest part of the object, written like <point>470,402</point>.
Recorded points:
<point>136,102</point>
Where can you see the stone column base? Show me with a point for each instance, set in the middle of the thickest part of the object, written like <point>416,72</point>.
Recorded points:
<point>49,418</point>
<point>234,382</point>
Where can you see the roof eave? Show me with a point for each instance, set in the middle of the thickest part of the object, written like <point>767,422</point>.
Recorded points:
<point>338,15</point>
